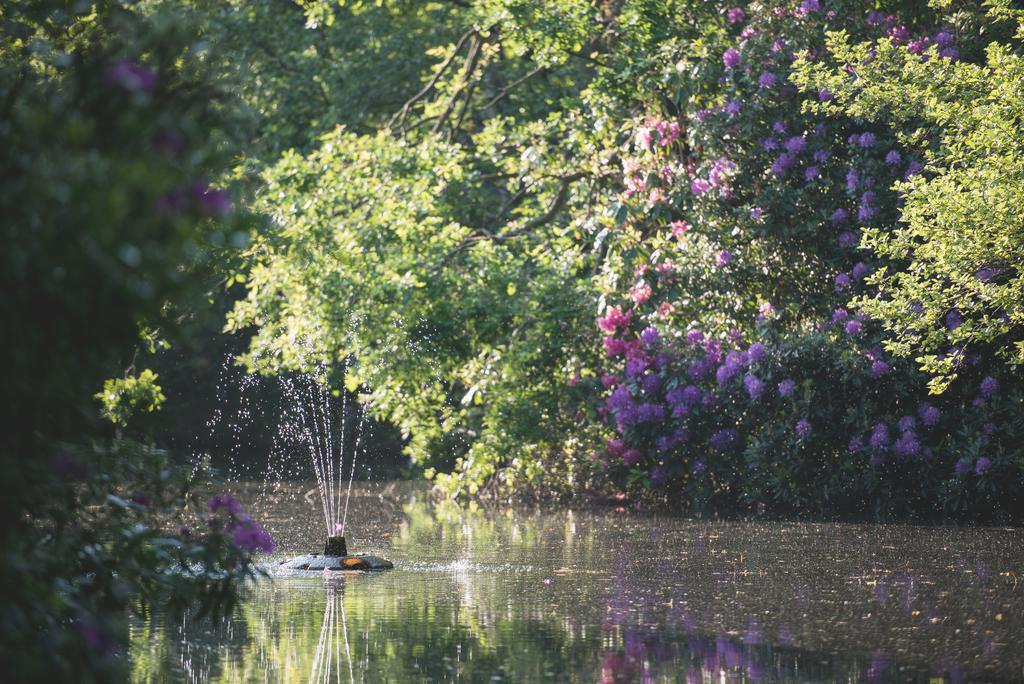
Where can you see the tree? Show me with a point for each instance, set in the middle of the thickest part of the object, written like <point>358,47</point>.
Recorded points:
<point>112,131</point>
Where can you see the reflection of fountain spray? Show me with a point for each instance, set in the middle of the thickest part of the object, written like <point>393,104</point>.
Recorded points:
<point>328,648</point>
<point>314,424</point>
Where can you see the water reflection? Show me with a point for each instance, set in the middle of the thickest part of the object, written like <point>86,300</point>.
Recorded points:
<point>566,596</point>
<point>333,633</point>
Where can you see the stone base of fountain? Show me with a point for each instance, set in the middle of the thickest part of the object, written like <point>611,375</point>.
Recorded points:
<point>337,557</point>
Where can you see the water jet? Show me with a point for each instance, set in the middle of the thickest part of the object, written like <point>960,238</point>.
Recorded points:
<point>316,429</point>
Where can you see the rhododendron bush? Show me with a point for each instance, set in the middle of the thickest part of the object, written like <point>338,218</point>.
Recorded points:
<point>756,257</point>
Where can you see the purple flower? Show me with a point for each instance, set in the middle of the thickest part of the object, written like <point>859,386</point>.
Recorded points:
<point>803,428</point>
<point>756,212</point>
<point>821,156</point>
<point>724,439</point>
<point>651,384</point>
<point>756,352</point>
<point>866,212</point>
<point>929,414</point>
<point>839,315</point>
<point>943,39</point>
<point>854,327</point>
<point>787,387</point>
<point>907,445</point>
<point>635,368</point>
<point>880,437</point>
<point>899,35</point>
<point>906,423</point>
<point>650,336</point>
<point>950,53</point>
<point>225,502</point>
<point>651,413</point>
<point>781,165</point>
<point>796,144</point>
<point>211,201</point>
<point>779,127</point>
<point>840,215</point>
<point>982,465</point>
<point>847,239</point>
<point>917,46</point>
<point>770,144</point>
<point>766,80</point>
<point>811,172</point>
<point>988,428</point>
<point>879,368</point>
<point>824,95</point>
<point>842,282</point>
<point>809,6</point>
<point>754,387</point>
<point>856,444</point>
<point>695,337</point>
<point>953,320</point>
<point>731,58</point>
<point>726,372</point>
<point>963,466</point>
<point>723,258</point>
<point>866,139</point>
<point>989,386</point>
<point>860,269</point>
<point>699,186</point>
<point>914,167</point>
<point>732,107</point>
<point>131,76</point>
<point>892,158</point>
<point>852,180</point>
<point>735,15</point>
<point>250,537</point>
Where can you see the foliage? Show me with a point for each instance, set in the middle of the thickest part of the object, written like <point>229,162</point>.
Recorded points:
<point>113,130</point>
<point>125,397</point>
<point>955,288</point>
<point>681,170</point>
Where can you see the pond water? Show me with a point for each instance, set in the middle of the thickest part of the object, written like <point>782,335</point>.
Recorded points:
<point>606,596</point>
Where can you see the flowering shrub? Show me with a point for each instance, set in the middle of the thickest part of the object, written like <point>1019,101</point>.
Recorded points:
<point>752,370</point>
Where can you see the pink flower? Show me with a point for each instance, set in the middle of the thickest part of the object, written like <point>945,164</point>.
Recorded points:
<point>669,131</point>
<point>665,309</point>
<point>641,293</point>
<point>614,319</point>
<point>679,228</point>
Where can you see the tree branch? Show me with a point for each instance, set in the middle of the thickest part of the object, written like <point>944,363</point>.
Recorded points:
<point>404,111</point>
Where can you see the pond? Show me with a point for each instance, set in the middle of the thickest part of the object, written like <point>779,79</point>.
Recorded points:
<point>604,596</point>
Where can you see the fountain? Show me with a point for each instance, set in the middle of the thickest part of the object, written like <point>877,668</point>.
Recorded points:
<point>314,426</point>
